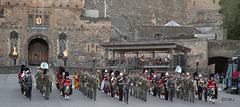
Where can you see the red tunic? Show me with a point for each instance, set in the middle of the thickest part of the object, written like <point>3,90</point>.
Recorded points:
<point>60,78</point>
<point>211,84</point>
<point>19,74</point>
<point>106,79</point>
<point>101,78</point>
<point>160,83</point>
<point>66,82</point>
<point>150,79</point>
<point>56,74</point>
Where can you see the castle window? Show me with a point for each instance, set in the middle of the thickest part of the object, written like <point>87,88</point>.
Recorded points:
<point>88,48</point>
<point>46,20</point>
<point>92,45</point>
<point>30,20</point>
<point>82,31</point>
<point>62,43</point>
<point>2,13</point>
<point>200,17</point>
<point>13,39</point>
<point>96,48</point>
<point>38,19</point>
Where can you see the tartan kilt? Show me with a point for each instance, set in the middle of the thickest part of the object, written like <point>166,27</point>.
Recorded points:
<point>211,93</point>
<point>71,91</point>
<point>161,90</point>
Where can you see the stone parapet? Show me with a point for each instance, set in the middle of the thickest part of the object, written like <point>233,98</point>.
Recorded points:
<point>9,69</point>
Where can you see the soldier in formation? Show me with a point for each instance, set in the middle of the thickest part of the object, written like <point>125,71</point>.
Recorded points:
<point>170,88</point>
<point>211,86</point>
<point>29,83</point>
<point>88,84</point>
<point>67,86</point>
<point>76,81</point>
<point>47,82</point>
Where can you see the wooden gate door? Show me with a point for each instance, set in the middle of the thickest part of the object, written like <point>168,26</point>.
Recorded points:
<point>37,52</point>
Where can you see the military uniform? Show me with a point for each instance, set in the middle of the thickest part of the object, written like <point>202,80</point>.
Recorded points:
<point>177,84</point>
<point>47,81</point>
<point>145,86</point>
<point>76,84</point>
<point>120,88</point>
<point>39,83</point>
<point>185,89</point>
<point>87,85</point>
<point>91,81</point>
<point>135,87</point>
<point>157,78</point>
<point>126,89</point>
<point>211,86</point>
<point>199,84</point>
<point>131,85</point>
<point>139,88</point>
<point>114,86</point>
<point>205,89</point>
<point>84,84</point>
<point>94,86</point>
<point>81,77</point>
<point>38,77</point>
<point>170,86</point>
<point>28,83</point>
<point>191,90</point>
<point>165,81</point>
<point>161,88</point>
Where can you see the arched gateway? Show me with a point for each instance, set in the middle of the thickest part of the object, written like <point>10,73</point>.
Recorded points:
<point>37,52</point>
<point>38,49</point>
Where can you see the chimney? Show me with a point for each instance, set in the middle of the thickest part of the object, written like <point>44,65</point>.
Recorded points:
<point>154,20</point>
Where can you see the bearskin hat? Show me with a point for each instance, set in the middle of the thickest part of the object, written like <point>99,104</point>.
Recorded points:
<point>211,75</point>
<point>183,71</point>
<point>45,71</point>
<point>117,73</point>
<point>67,74</point>
<point>195,74</point>
<point>110,71</point>
<point>162,75</point>
<point>151,71</point>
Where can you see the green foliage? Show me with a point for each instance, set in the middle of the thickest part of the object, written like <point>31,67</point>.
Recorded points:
<point>230,10</point>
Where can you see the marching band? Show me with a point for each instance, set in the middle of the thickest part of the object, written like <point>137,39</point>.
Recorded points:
<point>119,84</point>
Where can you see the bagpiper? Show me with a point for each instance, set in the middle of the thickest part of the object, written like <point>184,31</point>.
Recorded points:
<point>60,79</point>
<point>67,86</point>
<point>211,88</point>
<point>161,86</point>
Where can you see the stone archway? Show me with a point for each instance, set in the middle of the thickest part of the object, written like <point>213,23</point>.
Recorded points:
<point>42,40</point>
<point>37,52</point>
<point>221,64</point>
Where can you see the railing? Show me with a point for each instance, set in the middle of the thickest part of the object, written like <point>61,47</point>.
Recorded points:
<point>131,62</point>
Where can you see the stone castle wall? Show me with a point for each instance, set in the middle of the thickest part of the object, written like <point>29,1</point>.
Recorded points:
<point>80,33</point>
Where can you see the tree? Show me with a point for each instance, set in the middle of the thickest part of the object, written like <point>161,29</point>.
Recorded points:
<point>230,11</point>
